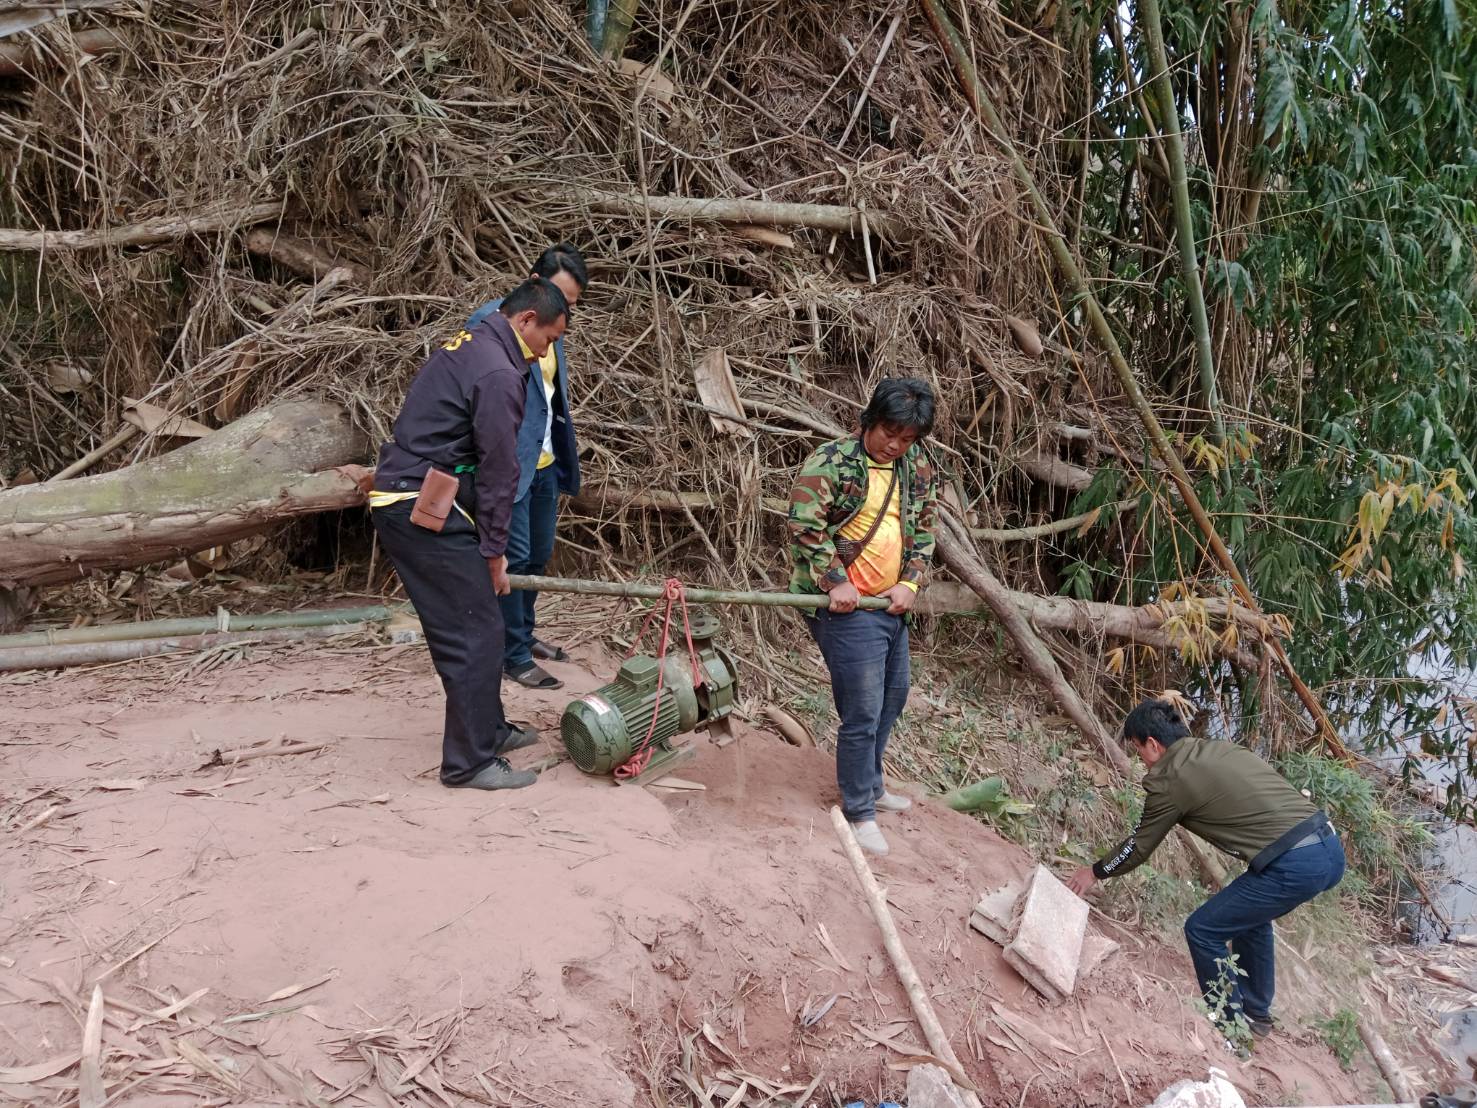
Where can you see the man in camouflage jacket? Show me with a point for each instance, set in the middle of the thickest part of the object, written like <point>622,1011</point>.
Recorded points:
<point>862,524</point>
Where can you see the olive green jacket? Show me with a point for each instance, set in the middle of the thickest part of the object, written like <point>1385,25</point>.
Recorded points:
<point>832,489</point>
<point>1222,792</point>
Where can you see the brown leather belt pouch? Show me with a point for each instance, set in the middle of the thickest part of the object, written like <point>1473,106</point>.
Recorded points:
<point>437,497</point>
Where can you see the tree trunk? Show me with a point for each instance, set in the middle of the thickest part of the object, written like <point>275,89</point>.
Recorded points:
<point>18,58</point>
<point>281,461</point>
<point>955,551</point>
<point>1118,621</point>
<point>767,213</point>
<point>149,232</point>
<point>1052,470</point>
<point>301,256</point>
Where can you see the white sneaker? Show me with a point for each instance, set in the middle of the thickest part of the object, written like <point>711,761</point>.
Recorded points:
<point>891,802</point>
<point>869,837</point>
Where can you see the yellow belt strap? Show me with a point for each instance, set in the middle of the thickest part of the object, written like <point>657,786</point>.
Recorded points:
<point>379,499</point>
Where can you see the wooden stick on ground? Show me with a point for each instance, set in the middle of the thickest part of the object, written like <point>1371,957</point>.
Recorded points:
<point>933,1031</point>
<point>1393,1074</point>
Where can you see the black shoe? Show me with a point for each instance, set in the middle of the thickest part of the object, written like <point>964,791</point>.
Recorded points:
<point>497,774</point>
<point>520,737</point>
<point>1260,1028</point>
<point>548,652</point>
<point>534,676</point>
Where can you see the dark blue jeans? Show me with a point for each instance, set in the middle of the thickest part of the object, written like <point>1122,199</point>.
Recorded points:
<point>867,654</point>
<point>530,545</point>
<point>1241,915</point>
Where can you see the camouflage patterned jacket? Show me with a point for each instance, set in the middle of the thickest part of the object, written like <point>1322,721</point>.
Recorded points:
<point>831,489</point>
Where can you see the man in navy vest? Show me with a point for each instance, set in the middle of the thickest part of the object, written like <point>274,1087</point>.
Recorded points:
<point>548,464</point>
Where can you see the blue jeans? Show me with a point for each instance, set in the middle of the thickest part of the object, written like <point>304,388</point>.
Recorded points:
<point>867,654</point>
<point>530,545</point>
<point>1241,915</point>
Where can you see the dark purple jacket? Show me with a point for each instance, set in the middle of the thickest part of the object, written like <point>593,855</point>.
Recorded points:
<point>462,413</point>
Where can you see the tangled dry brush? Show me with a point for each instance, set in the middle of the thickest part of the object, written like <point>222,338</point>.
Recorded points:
<point>378,168</point>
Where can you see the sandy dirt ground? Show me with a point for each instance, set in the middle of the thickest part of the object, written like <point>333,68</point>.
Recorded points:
<point>335,927</point>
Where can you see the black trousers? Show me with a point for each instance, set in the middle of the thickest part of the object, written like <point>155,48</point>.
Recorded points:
<point>447,580</point>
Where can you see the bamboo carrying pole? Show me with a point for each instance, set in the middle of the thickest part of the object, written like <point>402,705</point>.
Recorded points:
<point>638,591</point>
<point>979,99</point>
<point>933,1031</point>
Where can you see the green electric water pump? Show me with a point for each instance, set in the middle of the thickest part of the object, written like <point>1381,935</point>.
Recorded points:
<point>602,729</point>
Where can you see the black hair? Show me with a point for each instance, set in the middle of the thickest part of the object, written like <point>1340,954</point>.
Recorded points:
<point>1155,719</point>
<point>563,258</point>
<point>539,295</point>
<point>900,402</point>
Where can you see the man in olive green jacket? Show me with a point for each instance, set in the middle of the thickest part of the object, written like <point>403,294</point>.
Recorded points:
<point>1232,799</point>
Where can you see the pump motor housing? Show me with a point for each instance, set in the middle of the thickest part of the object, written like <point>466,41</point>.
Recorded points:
<point>602,729</point>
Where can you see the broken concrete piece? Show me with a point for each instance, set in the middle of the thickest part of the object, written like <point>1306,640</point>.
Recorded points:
<point>1096,949</point>
<point>1048,936</point>
<point>994,915</point>
<point>930,1086</point>
<point>1214,1092</point>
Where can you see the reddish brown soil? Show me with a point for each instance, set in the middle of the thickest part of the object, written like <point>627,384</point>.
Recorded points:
<point>559,941</point>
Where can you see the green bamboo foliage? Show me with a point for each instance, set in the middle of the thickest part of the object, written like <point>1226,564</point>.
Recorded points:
<point>1331,171</point>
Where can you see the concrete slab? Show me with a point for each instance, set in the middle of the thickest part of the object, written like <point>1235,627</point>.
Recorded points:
<point>1216,1091</point>
<point>931,1086</point>
<point>1049,930</point>
<point>1096,949</point>
<point>994,915</point>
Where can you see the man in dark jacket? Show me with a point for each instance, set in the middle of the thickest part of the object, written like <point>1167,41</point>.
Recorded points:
<point>862,524</point>
<point>1235,801</point>
<point>548,464</point>
<point>462,416</point>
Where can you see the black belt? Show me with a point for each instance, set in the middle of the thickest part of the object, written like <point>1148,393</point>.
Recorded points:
<point>1305,833</point>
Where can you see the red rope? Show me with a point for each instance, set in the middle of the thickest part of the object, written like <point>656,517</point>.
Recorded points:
<point>672,593</point>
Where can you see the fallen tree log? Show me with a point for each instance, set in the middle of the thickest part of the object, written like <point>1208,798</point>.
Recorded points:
<point>285,460</point>
<point>148,232</point>
<point>19,58</point>
<point>1118,621</point>
<point>766,213</point>
<point>1051,470</point>
<point>301,256</point>
<point>954,550</point>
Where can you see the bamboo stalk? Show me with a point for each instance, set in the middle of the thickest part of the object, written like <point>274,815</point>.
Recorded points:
<point>876,898</point>
<point>201,625</point>
<point>620,17</point>
<point>1184,224</point>
<point>638,591</point>
<point>82,654</point>
<point>87,461</point>
<point>979,99</point>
